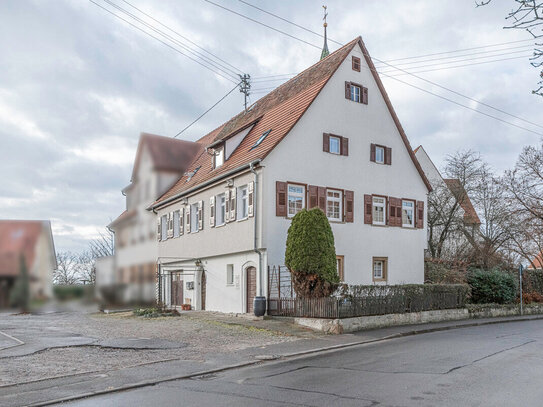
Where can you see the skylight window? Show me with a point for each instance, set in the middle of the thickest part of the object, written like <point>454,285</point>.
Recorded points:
<point>261,139</point>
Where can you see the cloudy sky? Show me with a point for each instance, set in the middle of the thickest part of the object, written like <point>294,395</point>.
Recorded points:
<point>78,85</point>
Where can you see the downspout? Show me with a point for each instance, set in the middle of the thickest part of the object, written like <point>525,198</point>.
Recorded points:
<point>255,211</point>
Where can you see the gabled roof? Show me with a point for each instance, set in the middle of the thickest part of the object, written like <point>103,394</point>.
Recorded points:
<point>123,217</point>
<point>278,111</point>
<point>19,237</point>
<point>470,215</point>
<point>168,154</point>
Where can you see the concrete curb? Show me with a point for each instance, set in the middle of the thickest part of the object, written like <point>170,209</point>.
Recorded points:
<point>323,349</point>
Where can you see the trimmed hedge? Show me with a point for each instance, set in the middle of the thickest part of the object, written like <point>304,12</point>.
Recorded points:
<point>492,286</point>
<point>68,292</point>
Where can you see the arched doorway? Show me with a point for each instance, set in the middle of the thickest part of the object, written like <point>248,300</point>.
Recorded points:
<point>250,287</point>
<point>203,291</point>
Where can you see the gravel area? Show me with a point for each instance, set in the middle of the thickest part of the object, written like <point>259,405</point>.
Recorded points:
<point>201,333</point>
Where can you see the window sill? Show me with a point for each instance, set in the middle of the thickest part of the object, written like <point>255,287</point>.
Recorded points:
<point>243,219</point>
<point>230,285</point>
<point>335,221</point>
<point>221,225</point>
<point>384,225</point>
<point>379,280</point>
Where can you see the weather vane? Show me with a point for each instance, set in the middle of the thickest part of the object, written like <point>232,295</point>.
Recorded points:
<point>325,15</point>
<point>325,52</point>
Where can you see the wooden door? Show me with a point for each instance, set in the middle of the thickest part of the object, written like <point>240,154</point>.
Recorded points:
<point>251,288</point>
<point>203,290</point>
<point>177,290</point>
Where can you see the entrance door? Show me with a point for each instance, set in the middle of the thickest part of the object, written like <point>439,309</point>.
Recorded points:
<point>251,288</point>
<point>177,290</point>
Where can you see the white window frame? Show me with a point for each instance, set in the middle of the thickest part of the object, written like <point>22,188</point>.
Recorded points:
<point>218,157</point>
<point>220,209</point>
<point>379,202</point>
<point>379,151</point>
<point>330,144</point>
<point>229,274</point>
<point>296,195</point>
<point>334,199</point>
<point>176,223</point>
<point>164,227</point>
<point>194,218</point>
<point>406,207</point>
<point>356,96</point>
<point>242,204</point>
<point>382,270</point>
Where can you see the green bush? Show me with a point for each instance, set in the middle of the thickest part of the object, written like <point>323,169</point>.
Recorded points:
<point>68,292</point>
<point>310,254</point>
<point>155,312</point>
<point>492,286</point>
<point>20,294</point>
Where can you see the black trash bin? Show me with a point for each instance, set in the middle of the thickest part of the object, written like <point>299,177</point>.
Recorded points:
<point>259,303</point>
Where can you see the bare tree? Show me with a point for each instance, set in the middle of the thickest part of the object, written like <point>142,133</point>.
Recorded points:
<point>67,269</point>
<point>527,16</point>
<point>103,245</point>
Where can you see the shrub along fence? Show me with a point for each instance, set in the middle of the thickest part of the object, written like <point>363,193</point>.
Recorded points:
<point>356,301</point>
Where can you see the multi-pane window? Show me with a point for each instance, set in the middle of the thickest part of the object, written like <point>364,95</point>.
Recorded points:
<point>176,224</point>
<point>333,204</point>
<point>220,210</point>
<point>229,274</point>
<point>379,210</point>
<point>355,93</point>
<point>379,269</point>
<point>296,199</point>
<point>335,145</point>
<point>379,154</point>
<point>164,227</point>
<point>243,202</point>
<point>194,218</point>
<point>408,212</point>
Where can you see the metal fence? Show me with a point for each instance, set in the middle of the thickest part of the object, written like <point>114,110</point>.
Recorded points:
<point>355,301</point>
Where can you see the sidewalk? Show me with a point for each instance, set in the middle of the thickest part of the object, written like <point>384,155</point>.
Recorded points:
<point>50,391</point>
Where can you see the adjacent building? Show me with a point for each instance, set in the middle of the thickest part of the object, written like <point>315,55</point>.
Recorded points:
<point>33,241</point>
<point>328,138</point>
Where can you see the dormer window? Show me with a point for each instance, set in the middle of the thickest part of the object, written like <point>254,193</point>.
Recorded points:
<point>218,157</point>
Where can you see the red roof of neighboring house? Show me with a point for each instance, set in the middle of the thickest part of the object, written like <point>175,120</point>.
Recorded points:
<point>122,217</point>
<point>278,111</point>
<point>470,215</point>
<point>167,153</point>
<point>18,237</point>
<point>537,262</point>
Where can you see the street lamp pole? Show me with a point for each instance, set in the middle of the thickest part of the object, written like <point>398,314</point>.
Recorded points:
<point>520,269</point>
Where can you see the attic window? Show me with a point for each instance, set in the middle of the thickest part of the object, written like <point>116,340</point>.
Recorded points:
<point>260,139</point>
<point>191,174</point>
<point>218,157</point>
<point>356,64</point>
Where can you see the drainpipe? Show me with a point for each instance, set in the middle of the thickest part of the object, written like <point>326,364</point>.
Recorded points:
<point>255,211</point>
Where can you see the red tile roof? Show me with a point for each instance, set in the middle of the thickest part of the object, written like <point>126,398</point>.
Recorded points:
<point>18,237</point>
<point>168,154</point>
<point>470,215</point>
<point>278,111</point>
<point>537,262</point>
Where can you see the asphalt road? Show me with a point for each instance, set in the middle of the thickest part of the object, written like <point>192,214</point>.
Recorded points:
<point>492,365</point>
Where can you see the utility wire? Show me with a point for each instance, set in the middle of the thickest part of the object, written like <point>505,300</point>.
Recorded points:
<point>401,70</point>
<point>203,114</point>
<point>182,36</point>
<point>175,41</point>
<point>159,40</point>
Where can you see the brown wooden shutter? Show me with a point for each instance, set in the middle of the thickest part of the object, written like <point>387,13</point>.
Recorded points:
<point>391,212</point>
<point>349,206</point>
<point>398,212</point>
<point>347,90</point>
<point>326,142</point>
<point>368,203</point>
<point>344,146</point>
<point>372,152</point>
<point>250,198</point>
<point>364,95</point>
<point>388,155</point>
<point>420,214</point>
<point>280,198</point>
<point>313,192</point>
<point>321,191</point>
<point>356,64</point>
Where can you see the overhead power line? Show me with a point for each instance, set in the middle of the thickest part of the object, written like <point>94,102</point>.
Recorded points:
<point>163,42</point>
<point>208,110</point>
<point>392,66</point>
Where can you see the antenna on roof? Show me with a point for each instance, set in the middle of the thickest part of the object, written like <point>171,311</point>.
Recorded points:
<point>325,52</point>
<point>245,86</point>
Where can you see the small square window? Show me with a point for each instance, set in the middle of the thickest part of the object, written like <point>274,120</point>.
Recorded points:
<point>229,274</point>
<point>379,269</point>
<point>379,154</point>
<point>355,93</point>
<point>335,145</point>
<point>356,64</point>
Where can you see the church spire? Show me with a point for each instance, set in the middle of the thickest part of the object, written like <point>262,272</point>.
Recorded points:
<point>325,52</point>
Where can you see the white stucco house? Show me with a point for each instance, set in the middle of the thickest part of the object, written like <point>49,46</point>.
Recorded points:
<point>159,163</point>
<point>328,138</point>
